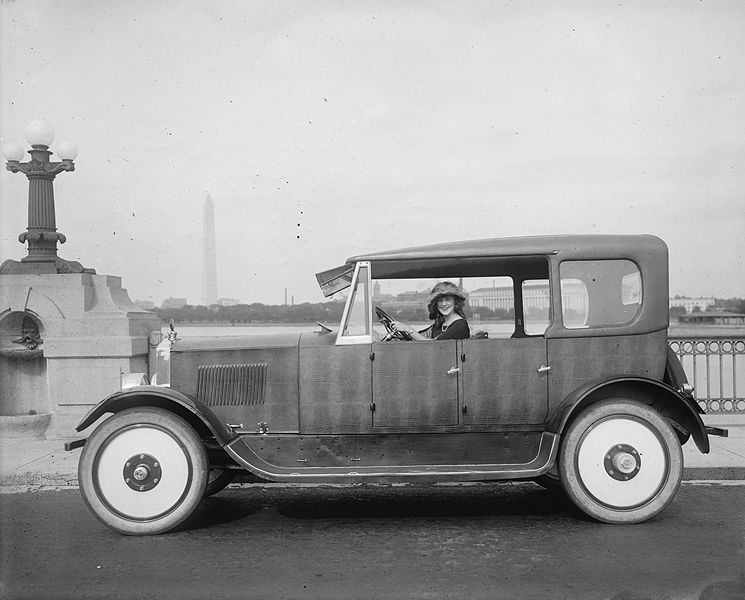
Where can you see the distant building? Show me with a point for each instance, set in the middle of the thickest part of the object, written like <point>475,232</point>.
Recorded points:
<point>713,317</point>
<point>146,304</point>
<point>380,298</point>
<point>689,304</point>
<point>535,297</point>
<point>493,298</point>
<point>174,303</point>
<point>405,300</point>
<point>228,301</point>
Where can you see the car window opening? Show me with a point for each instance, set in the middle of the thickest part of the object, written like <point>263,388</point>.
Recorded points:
<point>508,298</point>
<point>599,293</point>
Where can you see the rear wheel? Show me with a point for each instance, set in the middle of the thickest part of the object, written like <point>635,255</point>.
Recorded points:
<point>143,471</point>
<point>621,462</point>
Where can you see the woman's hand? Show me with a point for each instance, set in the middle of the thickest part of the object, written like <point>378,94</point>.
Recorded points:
<point>403,327</point>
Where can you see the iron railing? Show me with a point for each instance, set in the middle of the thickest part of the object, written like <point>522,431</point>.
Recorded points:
<point>715,366</point>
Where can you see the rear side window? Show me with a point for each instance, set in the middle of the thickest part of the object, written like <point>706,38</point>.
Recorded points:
<point>536,302</point>
<point>599,293</point>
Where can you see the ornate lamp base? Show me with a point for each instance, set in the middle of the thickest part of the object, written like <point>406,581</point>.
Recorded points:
<point>59,266</point>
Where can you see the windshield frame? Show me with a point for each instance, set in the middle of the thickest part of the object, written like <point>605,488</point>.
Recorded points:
<point>361,277</point>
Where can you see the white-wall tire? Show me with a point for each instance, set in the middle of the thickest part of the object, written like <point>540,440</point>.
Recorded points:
<point>620,461</point>
<point>143,471</point>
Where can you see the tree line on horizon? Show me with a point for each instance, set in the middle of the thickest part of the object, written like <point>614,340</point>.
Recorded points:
<point>331,312</point>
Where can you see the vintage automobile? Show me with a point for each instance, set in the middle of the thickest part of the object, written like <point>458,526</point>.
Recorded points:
<point>577,389</point>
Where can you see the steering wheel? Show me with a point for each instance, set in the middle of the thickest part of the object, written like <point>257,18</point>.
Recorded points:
<point>387,322</point>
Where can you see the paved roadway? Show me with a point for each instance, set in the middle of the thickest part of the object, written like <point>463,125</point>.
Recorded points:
<point>474,541</point>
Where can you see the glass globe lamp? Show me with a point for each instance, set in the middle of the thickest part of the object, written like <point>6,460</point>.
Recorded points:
<point>39,132</point>
<point>13,151</point>
<point>67,150</point>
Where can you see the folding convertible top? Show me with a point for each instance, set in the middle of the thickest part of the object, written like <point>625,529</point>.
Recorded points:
<point>588,245</point>
<point>476,257</point>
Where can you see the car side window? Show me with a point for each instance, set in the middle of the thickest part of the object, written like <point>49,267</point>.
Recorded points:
<point>536,304</point>
<point>490,307</point>
<point>599,293</point>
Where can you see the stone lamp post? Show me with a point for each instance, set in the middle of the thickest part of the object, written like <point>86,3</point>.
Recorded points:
<point>42,235</point>
<point>68,336</point>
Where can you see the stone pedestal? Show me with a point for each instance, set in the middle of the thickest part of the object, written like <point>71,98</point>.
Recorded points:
<point>66,341</point>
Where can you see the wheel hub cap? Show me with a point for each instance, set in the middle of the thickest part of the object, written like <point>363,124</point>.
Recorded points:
<point>622,462</point>
<point>142,472</point>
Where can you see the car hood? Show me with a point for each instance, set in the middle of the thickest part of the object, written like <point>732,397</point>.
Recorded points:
<point>237,342</point>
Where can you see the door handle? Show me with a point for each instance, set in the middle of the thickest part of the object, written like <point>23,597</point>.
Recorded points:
<point>453,370</point>
<point>543,369</point>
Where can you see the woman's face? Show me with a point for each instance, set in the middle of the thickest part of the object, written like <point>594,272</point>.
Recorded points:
<point>446,305</point>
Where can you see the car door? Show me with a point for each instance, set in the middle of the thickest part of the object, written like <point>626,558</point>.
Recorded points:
<point>335,373</point>
<point>335,387</point>
<point>415,386</point>
<point>504,384</point>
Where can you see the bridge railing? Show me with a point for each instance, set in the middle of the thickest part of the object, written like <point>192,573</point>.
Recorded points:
<point>715,365</point>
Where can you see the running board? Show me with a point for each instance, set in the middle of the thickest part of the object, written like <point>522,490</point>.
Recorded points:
<point>243,453</point>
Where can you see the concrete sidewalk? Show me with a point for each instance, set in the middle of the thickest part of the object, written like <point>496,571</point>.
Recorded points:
<point>33,464</point>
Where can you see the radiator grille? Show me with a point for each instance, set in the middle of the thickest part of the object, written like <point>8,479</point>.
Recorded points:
<point>232,384</point>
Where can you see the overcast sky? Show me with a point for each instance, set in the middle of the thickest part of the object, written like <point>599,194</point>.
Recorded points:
<point>322,130</point>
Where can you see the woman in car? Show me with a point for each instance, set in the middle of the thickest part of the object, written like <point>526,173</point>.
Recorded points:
<point>445,306</point>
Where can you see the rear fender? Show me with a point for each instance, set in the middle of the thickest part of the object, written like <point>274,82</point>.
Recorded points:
<point>670,403</point>
<point>204,421</point>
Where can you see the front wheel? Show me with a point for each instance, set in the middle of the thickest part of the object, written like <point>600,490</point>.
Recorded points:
<point>621,462</point>
<point>143,471</point>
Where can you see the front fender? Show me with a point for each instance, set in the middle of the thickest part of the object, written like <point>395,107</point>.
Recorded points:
<point>197,414</point>
<point>661,397</point>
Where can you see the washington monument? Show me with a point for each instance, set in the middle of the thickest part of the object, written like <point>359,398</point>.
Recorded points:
<point>209,257</point>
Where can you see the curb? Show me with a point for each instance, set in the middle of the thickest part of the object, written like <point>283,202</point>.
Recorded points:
<point>713,473</point>
<point>37,479</point>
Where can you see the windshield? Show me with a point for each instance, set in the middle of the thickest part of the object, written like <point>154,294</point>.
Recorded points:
<point>335,280</point>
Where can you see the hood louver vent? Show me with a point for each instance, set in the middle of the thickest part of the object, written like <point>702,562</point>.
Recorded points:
<point>231,384</point>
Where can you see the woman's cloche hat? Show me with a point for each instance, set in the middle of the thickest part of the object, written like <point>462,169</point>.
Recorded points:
<point>446,288</point>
